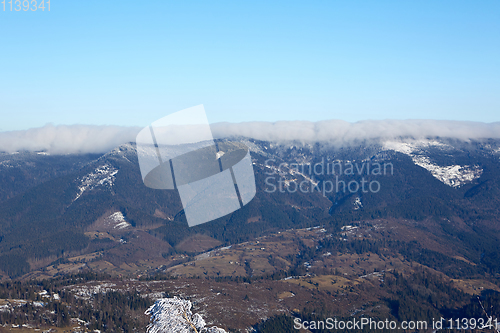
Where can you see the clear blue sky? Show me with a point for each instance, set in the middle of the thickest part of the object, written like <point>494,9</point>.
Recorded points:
<point>132,62</point>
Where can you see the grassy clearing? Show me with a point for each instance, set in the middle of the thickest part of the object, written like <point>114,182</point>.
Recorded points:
<point>474,287</point>
<point>331,283</point>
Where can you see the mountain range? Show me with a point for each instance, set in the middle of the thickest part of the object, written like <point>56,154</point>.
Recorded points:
<point>55,207</point>
<point>402,229</point>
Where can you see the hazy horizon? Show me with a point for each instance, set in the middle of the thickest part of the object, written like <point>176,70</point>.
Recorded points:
<point>63,139</point>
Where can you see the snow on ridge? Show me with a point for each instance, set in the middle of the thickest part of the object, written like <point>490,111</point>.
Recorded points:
<point>123,149</point>
<point>451,175</point>
<point>102,176</point>
<point>408,147</point>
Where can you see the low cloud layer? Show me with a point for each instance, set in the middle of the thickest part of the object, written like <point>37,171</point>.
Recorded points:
<point>338,132</point>
<point>99,139</point>
<point>67,139</point>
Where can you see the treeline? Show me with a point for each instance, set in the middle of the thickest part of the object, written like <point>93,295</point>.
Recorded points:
<point>422,295</point>
<point>108,312</point>
<point>14,265</point>
<point>27,290</point>
<point>412,251</point>
<point>50,313</point>
<point>276,324</point>
<point>111,311</point>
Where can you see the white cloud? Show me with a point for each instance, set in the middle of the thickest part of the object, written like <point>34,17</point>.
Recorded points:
<point>338,132</point>
<point>67,139</point>
<point>99,139</point>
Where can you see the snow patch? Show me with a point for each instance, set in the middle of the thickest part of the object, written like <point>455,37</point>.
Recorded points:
<point>120,221</point>
<point>101,176</point>
<point>357,203</point>
<point>122,225</point>
<point>6,164</point>
<point>88,291</point>
<point>451,175</point>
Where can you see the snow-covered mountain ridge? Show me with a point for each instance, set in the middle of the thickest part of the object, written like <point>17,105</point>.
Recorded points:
<point>103,175</point>
<point>451,175</point>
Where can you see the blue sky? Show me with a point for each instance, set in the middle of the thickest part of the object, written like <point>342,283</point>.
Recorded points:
<point>129,62</point>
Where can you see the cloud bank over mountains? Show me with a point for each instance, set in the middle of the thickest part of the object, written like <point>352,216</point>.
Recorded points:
<point>339,132</point>
<point>66,139</point>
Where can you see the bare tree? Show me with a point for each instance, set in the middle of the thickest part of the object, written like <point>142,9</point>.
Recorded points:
<point>490,318</point>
